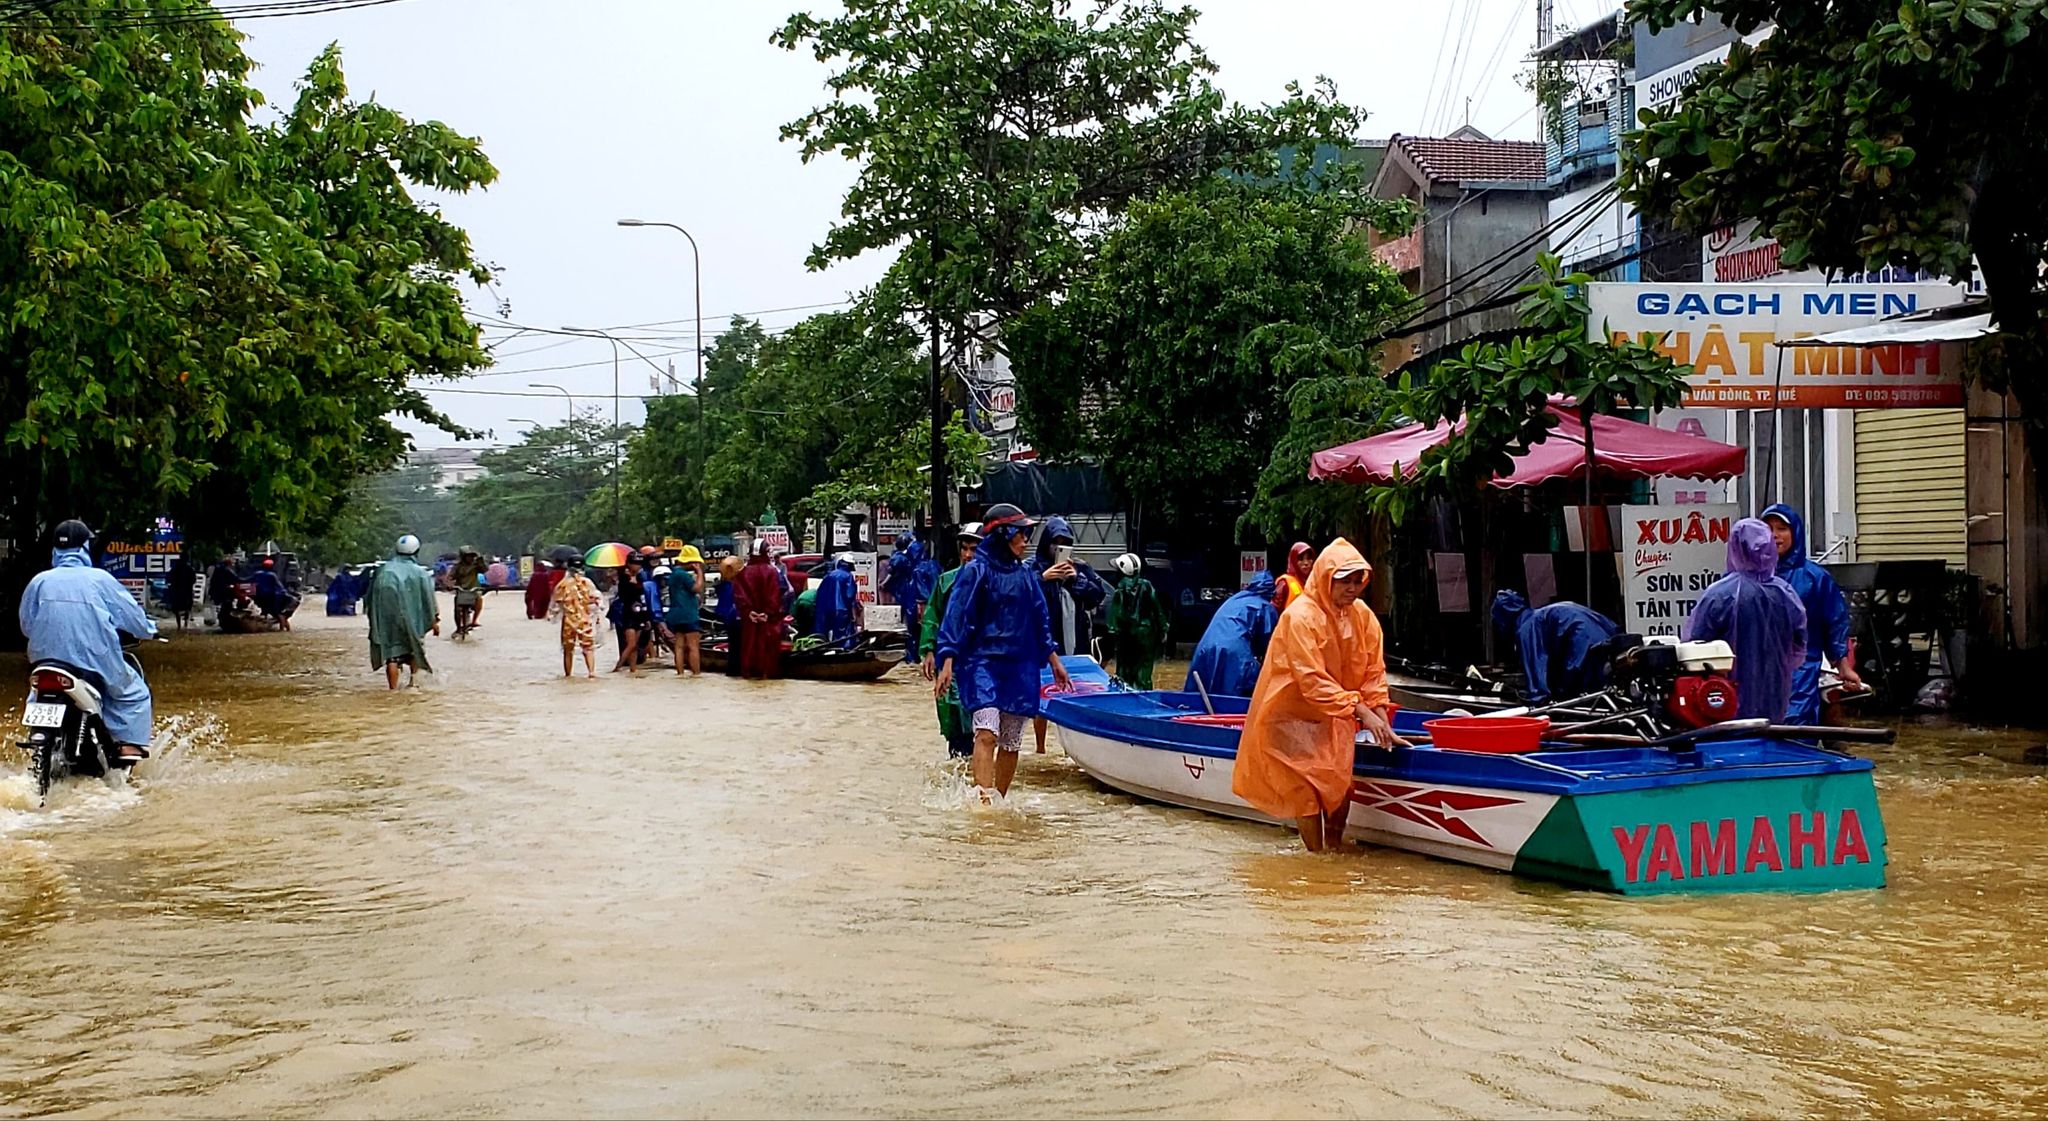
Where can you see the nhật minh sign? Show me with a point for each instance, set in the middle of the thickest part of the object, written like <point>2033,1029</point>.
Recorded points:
<point>1728,332</point>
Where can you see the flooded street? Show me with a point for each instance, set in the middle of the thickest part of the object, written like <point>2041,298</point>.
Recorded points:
<point>507,894</point>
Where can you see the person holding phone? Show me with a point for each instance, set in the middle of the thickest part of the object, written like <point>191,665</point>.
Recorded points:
<point>1072,593</point>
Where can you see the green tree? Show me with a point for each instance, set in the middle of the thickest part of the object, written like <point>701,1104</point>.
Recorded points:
<point>663,461</point>
<point>1866,133</point>
<point>992,134</point>
<point>203,316</point>
<point>1502,391</point>
<point>1161,358</point>
<point>1335,395</point>
<point>533,490</point>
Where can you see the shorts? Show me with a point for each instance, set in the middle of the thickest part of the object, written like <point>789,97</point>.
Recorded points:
<point>688,626</point>
<point>1008,727</point>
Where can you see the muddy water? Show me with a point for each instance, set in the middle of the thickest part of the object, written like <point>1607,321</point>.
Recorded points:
<point>506,894</point>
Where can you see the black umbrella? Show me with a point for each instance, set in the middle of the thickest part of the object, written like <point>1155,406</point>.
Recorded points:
<point>562,554</point>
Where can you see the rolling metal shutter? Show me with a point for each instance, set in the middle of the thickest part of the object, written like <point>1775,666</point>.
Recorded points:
<point>1911,501</point>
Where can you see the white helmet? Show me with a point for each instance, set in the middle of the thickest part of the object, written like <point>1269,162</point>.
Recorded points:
<point>408,546</point>
<point>1129,564</point>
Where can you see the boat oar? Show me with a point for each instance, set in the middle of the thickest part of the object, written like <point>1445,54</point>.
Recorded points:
<point>1758,728</point>
<point>1204,691</point>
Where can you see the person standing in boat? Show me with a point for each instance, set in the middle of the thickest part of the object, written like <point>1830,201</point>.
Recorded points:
<point>1301,559</point>
<point>1227,660</point>
<point>995,637</point>
<point>1325,677</point>
<point>1827,614</point>
<point>953,720</point>
<point>1760,616</point>
<point>1561,645</point>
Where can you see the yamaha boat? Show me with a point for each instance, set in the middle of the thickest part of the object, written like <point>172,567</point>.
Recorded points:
<point>1729,805</point>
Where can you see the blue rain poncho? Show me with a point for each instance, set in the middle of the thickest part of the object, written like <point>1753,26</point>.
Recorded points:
<point>1557,643</point>
<point>995,630</point>
<point>832,610</point>
<point>1069,603</point>
<point>1827,617</point>
<point>343,592</point>
<point>75,614</point>
<point>1759,616</point>
<point>1234,645</point>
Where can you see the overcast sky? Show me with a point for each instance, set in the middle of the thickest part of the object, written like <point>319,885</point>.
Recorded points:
<point>668,110</point>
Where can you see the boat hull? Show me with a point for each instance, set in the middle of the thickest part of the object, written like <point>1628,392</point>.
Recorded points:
<point>1749,816</point>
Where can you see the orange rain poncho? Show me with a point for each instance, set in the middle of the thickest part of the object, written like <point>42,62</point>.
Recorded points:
<point>1296,754</point>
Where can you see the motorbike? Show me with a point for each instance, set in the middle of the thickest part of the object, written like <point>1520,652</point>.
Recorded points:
<point>65,734</point>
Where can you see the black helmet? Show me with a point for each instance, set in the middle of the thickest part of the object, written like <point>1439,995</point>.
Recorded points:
<point>72,534</point>
<point>1003,514</point>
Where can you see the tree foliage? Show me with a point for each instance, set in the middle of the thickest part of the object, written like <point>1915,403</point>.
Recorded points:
<point>992,135</point>
<point>533,490</point>
<point>826,415</point>
<point>1865,133</point>
<point>1164,358</point>
<point>1502,391</point>
<point>203,316</point>
<point>1335,394</point>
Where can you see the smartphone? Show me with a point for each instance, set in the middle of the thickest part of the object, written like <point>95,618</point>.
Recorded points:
<point>1063,553</point>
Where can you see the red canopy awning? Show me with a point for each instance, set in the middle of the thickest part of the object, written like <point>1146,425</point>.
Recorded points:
<point>1622,449</point>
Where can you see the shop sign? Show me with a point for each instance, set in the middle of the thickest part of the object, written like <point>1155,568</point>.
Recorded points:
<point>1728,334</point>
<point>1670,554</point>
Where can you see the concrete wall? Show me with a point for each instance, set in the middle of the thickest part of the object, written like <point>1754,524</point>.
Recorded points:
<point>1458,243</point>
<point>2007,532</point>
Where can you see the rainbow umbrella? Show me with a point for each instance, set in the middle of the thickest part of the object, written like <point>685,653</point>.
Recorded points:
<point>609,555</point>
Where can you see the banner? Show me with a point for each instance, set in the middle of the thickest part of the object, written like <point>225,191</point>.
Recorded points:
<point>149,560</point>
<point>1250,562</point>
<point>864,577</point>
<point>1670,554</point>
<point>776,536</point>
<point>1727,334</point>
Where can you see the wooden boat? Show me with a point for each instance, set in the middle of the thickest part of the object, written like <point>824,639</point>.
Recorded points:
<point>1737,814</point>
<point>864,664</point>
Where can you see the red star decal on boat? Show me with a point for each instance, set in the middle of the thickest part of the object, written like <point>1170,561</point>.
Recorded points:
<point>1424,805</point>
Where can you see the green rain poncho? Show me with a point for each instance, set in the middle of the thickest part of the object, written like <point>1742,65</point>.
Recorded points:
<point>1137,626</point>
<point>401,607</point>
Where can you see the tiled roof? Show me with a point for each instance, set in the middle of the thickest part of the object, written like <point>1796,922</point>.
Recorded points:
<point>1458,160</point>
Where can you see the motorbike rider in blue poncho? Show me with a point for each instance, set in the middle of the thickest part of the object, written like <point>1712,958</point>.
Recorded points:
<point>1227,659</point>
<point>993,641</point>
<point>74,615</point>
<point>838,599</point>
<point>1760,617</point>
<point>905,582</point>
<point>1827,613</point>
<point>1560,644</point>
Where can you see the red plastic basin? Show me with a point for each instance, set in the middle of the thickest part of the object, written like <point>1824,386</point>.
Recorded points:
<point>1494,735</point>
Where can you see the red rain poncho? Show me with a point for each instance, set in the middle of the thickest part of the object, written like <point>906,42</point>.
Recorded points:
<point>758,591</point>
<point>1295,758</point>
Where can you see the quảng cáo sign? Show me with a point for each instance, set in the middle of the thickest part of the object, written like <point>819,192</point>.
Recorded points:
<point>1671,554</point>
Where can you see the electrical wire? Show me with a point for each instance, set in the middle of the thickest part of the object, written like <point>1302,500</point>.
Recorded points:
<point>205,13</point>
<point>1483,87</point>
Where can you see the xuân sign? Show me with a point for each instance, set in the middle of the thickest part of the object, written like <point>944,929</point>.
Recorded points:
<point>1728,334</point>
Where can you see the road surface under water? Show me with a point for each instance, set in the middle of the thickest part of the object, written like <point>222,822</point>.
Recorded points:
<point>508,894</point>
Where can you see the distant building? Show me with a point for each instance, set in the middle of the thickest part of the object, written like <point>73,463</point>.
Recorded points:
<point>452,467</point>
<point>1480,206</point>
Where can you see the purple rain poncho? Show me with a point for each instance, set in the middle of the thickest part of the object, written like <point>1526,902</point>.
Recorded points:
<point>1760,616</point>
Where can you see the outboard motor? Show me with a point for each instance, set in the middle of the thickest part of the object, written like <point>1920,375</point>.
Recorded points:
<point>1687,682</point>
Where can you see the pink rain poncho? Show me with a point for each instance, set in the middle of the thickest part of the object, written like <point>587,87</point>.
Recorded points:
<point>1760,616</point>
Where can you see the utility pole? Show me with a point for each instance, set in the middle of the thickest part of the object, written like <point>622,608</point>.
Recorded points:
<point>1546,22</point>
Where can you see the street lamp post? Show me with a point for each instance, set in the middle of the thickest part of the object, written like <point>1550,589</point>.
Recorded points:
<point>697,272</point>
<point>558,389</point>
<point>617,526</point>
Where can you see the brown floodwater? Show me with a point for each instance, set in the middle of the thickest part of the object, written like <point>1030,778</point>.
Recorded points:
<point>508,894</point>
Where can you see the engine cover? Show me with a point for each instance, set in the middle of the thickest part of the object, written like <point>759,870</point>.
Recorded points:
<point>1700,699</point>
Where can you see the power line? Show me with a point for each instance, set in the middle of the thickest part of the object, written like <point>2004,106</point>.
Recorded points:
<point>171,17</point>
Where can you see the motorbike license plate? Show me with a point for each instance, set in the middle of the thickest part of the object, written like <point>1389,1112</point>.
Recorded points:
<point>38,715</point>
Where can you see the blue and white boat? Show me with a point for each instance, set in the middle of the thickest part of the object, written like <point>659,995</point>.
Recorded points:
<point>1736,814</point>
